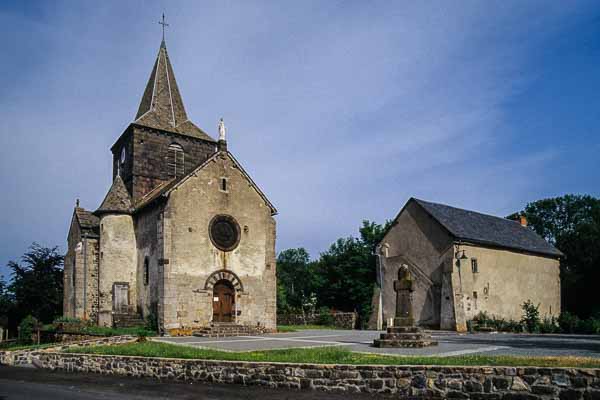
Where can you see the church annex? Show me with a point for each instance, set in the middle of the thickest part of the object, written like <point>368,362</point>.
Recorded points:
<point>183,235</point>
<point>463,263</point>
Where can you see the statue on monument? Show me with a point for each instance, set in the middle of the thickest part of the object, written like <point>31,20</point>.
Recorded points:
<point>404,289</point>
<point>221,129</point>
<point>404,333</point>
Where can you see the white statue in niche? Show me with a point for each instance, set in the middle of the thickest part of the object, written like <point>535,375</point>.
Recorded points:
<point>221,129</point>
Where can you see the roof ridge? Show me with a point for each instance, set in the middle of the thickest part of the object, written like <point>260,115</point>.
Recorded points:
<point>466,210</point>
<point>476,227</point>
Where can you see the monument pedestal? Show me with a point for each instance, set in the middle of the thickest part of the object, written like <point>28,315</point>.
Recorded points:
<point>404,333</point>
<point>404,336</point>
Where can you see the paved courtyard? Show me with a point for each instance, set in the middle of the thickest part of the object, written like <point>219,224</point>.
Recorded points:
<point>450,344</point>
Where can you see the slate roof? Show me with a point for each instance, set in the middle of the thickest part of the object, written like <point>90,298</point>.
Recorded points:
<point>88,222</point>
<point>162,106</point>
<point>486,229</point>
<point>117,199</point>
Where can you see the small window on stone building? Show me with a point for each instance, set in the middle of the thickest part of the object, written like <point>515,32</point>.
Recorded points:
<point>474,266</point>
<point>73,273</point>
<point>146,271</point>
<point>224,184</point>
<point>175,161</point>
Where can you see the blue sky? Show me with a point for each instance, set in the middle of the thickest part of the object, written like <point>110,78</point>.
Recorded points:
<point>340,111</point>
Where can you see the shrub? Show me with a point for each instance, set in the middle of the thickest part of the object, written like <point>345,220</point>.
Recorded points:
<point>471,325</point>
<point>142,335</point>
<point>70,324</point>
<point>514,326</point>
<point>68,320</point>
<point>531,316</point>
<point>483,319</point>
<point>500,324</point>
<point>325,317</point>
<point>588,326</point>
<point>549,325</point>
<point>27,327</point>
<point>568,322</point>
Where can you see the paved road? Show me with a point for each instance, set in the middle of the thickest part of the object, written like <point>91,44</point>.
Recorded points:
<point>450,343</point>
<point>30,383</point>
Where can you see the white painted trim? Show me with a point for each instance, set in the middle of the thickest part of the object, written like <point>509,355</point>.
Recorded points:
<point>169,85</point>
<point>153,88</point>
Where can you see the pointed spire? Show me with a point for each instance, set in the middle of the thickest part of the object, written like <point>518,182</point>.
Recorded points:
<point>117,200</point>
<point>162,106</point>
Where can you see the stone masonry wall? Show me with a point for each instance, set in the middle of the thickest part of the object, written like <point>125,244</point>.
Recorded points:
<point>416,382</point>
<point>26,356</point>
<point>340,319</point>
<point>81,259</point>
<point>190,257</point>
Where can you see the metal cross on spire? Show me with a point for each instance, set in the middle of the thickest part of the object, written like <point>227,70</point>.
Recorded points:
<point>164,24</point>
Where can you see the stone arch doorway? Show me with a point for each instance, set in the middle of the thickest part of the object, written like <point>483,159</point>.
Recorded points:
<point>223,301</point>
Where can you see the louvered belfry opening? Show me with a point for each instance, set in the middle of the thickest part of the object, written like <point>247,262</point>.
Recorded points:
<point>176,161</point>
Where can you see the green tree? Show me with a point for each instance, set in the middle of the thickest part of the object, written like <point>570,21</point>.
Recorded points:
<point>6,303</point>
<point>572,224</point>
<point>346,272</point>
<point>36,287</point>
<point>296,281</point>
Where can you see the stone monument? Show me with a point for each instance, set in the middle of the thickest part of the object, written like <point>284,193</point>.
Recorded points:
<point>404,333</point>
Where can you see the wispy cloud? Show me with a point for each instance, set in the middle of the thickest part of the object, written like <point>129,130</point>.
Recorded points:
<point>340,110</point>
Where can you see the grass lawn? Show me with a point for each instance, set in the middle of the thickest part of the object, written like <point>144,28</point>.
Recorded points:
<point>330,355</point>
<point>106,331</point>
<point>17,346</point>
<point>295,328</point>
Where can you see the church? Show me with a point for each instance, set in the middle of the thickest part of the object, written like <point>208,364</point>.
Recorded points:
<point>183,236</point>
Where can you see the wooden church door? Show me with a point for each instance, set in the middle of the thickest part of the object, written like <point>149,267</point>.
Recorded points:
<point>223,301</point>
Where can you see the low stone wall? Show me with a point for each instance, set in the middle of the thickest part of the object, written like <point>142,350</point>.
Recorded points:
<point>26,356</point>
<point>413,381</point>
<point>344,320</point>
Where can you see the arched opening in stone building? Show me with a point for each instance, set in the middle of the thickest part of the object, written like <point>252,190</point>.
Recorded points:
<point>223,301</point>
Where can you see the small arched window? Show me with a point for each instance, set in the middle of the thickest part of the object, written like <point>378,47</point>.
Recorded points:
<point>146,271</point>
<point>176,161</point>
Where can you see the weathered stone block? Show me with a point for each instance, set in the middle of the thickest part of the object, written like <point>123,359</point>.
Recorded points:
<point>544,389</point>
<point>570,394</point>
<point>519,385</point>
<point>473,386</point>
<point>455,394</point>
<point>501,382</point>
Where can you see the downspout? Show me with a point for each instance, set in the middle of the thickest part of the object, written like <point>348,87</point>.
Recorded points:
<point>85,275</point>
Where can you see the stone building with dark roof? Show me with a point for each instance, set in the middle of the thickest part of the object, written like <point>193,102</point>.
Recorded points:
<point>183,233</point>
<point>464,263</point>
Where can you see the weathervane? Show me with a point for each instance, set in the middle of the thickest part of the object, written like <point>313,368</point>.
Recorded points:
<point>164,24</point>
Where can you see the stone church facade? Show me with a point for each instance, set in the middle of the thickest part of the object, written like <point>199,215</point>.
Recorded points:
<point>183,234</point>
<point>464,263</point>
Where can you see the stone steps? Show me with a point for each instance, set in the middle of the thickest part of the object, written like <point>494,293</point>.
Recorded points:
<point>129,320</point>
<point>404,336</point>
<point>404,343</point>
